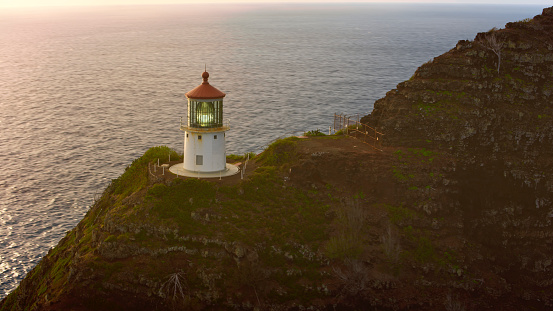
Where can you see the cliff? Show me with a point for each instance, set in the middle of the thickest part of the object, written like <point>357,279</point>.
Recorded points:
<point>454,213</point>
<point>487,104</point>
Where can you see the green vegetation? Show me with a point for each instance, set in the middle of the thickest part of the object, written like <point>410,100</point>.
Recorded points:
<point>408,161</point>
<point>238,158</point>
<point>350,232</point>
<point>178,201</point>
<point>488,70</point>
<point>399,214</point>
<point>415,169</point>
<point>424,251</point>
<point>280,152</point>
<point>524,21</point>
<point>344,245</point>
<point>423,154</point>
<point>400,175</point>
<point>447,102</point>
<point>259,209</point>
<point>267,210</point>
<point>135,176</point>
<point>316,132</point>
<point>283,228</point>
<point>344,131</point>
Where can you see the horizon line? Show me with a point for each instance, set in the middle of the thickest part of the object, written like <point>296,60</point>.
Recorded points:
<point>268,2</point>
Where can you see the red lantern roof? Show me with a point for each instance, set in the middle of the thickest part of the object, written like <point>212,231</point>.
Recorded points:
<point>205,90</point>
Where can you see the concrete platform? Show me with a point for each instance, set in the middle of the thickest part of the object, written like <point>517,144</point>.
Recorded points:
<point>178,169</point>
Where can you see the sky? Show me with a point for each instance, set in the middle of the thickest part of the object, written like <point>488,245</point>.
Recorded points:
<point>36,3</point>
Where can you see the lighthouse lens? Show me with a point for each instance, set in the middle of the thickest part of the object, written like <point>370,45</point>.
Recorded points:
<point>205,114</point>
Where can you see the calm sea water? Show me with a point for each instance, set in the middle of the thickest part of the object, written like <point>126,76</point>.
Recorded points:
<point>84,91</point>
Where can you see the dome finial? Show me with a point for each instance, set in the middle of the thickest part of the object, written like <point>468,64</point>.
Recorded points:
<point>205,75</point>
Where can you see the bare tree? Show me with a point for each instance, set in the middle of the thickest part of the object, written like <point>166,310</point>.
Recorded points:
<point>392,248</point>
<point>452,303</point>
<point>173,289</point>
<point>491,42</point>
<point>354,279</point>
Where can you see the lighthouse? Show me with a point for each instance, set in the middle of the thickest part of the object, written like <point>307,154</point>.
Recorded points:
<point>204,134</point>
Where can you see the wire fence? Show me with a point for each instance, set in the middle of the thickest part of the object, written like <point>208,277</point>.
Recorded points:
<point>351,126</point>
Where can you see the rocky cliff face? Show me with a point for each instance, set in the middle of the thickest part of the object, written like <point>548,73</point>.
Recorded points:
<point>455,213</point>
<point>495,123</point>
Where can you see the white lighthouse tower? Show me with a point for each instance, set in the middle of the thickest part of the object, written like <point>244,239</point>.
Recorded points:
<point>204,134</point>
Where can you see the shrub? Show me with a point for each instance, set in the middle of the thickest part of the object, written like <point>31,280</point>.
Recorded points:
<point>424,251</point>
<point>345,245</point>
<point>244,157</point>
<point>157,190</point>
<point>280,152</point>
<point>316,132</point>
<point>135,176</point>
<point>524,21</point>
<point>351,224</point>
<point>398,214</point>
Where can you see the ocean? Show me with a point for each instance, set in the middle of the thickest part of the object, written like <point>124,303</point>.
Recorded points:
<point>85,90</point>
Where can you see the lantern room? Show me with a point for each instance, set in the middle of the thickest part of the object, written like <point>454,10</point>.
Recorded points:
<point>205,113</point>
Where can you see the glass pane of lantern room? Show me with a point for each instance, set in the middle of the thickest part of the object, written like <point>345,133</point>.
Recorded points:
<point>190,113</point>
<point>219,113</point>
<point>205,114</point>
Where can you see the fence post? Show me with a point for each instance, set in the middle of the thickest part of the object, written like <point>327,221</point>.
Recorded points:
<point>347,126</point>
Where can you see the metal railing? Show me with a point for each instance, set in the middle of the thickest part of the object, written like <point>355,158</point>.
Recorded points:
<point>351,126</point>
<point>184,126</point>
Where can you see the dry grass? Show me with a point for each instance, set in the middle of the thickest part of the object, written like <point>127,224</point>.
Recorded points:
<point>354,279</point>
<point>392,247</point>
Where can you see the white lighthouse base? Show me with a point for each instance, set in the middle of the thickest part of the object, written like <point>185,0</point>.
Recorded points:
<point>204,150</point>
<point>178,169</point>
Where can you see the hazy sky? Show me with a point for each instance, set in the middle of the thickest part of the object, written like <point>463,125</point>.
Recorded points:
<point>32,3</point>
